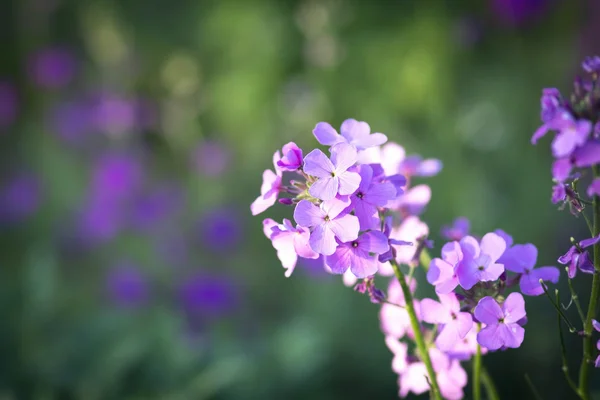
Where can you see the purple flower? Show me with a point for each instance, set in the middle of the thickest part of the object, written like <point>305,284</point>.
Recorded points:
<point>414,379</point>
<point>572,133</point>
<point>99,222</point>
<point>415,166</point>
<point>594,188</point>
<point>466,347</point>
<point>587,155</point>
<point>456,324</point>
<point>327,223</point>
<point>413,201</point>
<point>559,193</point>
<point>479,262</point>
<point>292,157</point>
<point>578,257</point>
<point>451,377</point>
<point>53,68</point>
<point>220,229</point>
<point>359,255</point>
<point>458,230</point>
<point>355,133</point>
<point>596,326</point>
<point>395,321</point>
<point>116,177</point>
<point>517,12</point>
<point>114,114</point>
<point>369,196</point>
<point>154,209</point>
<point>333,174</point>
<point>391,252</point>
<point>591,64</point>
<point>205,296</point>
<point>8,104</point>
<point>400,352</point>
<point>211,159</point>
<point>127,286</point>
<point>442,271</point>
<point>72,121</point>
<point>411,229</point>
<point>289,242</point>
<point>270,188</point>
<point>502,328</point>
<point>20,197</point>
<point>521,258</point>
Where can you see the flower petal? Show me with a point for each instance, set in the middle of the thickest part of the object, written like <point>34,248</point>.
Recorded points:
<point>348,182</point>
<point>434,312</point>
<point>492,245</point>
<point>322,240</point>
<point>326,134</point>
<point>345,228</point>
<point>373,242</point>
<point>343,156</point>
<point>488,311</point>
<point>340,261</point>
<point>530,283</point>
<point>325,188</point>
<point>513,308</point>
<point>316,163</point>
<point>308,215</point>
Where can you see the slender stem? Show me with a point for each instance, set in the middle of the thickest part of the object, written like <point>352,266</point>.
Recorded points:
<point>584,370</point>
<point>565,364</point>
<point>488,383</point>
<point>477,373</point>
<point>557,307</point>
<point>419,340</point>
<point>534,391</point>
<point>574,298</point>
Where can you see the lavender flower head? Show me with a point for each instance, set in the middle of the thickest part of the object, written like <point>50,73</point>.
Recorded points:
<point>20,197</point>
<point>127,286</point>
<point>220,229</point>
<point>53,68</point>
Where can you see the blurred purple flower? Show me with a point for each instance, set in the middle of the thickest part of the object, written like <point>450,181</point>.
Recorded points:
<point>153,209</point>
<point>211,158</point>
<point>52,68</point>
<point>206,296</point>
<point>116,177</point>
<point>98,223</point>
<point>220,229</point>
<point>72,121</point>
<point>114,114</point>
<point>517,12</point>
<point>127,286</point>
<point>8,104</point>
<point>20,197</point>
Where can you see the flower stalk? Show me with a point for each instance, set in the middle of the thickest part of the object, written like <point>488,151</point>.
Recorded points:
<point>419,340</point>
<point>477,373</point>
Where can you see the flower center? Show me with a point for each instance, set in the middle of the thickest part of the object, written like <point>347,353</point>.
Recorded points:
<point>359,195</point>
<point>355,244</point>
<point>327,219</point>
<point>453,315</point>
<point>333,174</point>
<point>501,320</point>
<point>481,268</point>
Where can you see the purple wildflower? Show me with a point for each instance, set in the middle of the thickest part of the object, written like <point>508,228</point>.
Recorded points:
<point>415,165</point>
<point>578,257</point>
<point>596,326</point>
<point>502,328</point>
<point>479,263</point>
<point>451,377</point>
<point>153,209</point>
<point>587,155</point>
<point>356,133</point>
<point>20,197</point>
<point>127,286</point>
<point>442,271</point>
<point>289,242</point>
<point>591,64</point>
<point>53,68</point>
<point>116,177</point>
<point>8,104</point>
<point>447,311</point>
<point>292,157</point>
<point>369,196</point>
<point>459,229</point>
<point>465,348</point>
<point>270,188</point>
<point>334,176</point>
<point>72,121</point>
<point>521,258</point>
<point>400,352</point>
<point>571,134</point>
<point>220,229</point>
<point>517,12</point>
<point>387,231</point>
<point>410,229</point>
<point>413,201</point>
<point>359,255</point>
<point>594,188</point>
<point>327,223</point>
<point>211,158</point>
<point>205,295</point>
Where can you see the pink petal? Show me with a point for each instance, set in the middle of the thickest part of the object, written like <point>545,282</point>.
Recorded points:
<point>322,240</point>
<point>326,135</point>
<point>307,214</point>
<point>452,253</point>
<point>302,246</point>
<point>317,164</point>
<point>348,182</point>
<point>374,242</point>
<point>469,246</point>
<point>335,206</point>
<point>345,228</point>
<point>268,225</point>
<point>490,337</point>
<point>492,245</point>
<point>513,307</point>
<point>488,311</point>
<point>340,261</point>
<point>343,156</point>
<point>447,338</point>
<point>352,129</point>
<point>434,312</point>
<point>325,188</point>
<point>363,267</point>
<point>594,188</point>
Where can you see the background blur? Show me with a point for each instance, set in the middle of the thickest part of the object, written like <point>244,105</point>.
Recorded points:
<point>133,137</point>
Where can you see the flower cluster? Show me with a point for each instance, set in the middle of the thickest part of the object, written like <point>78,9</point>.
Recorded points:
<point>576,143</point>
<point>341,200</point>
<point>357,212</point>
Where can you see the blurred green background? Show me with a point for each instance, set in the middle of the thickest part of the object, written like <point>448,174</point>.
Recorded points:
<point>134,135</point>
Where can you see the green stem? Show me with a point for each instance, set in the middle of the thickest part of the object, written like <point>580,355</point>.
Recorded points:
<point>488,383</point>
<point>584,370</point>
<point>419,340</point>
<point>574,298</point>
<point>477,374</point>
<point>534,391</point>
<point>565,364</point>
